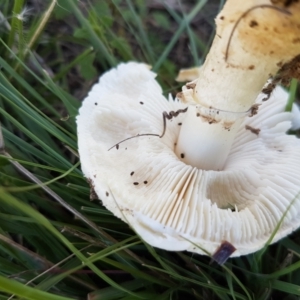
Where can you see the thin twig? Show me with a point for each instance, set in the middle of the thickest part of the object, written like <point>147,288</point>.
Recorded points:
<point>166,116</point>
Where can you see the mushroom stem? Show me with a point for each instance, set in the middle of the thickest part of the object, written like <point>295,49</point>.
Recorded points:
<point>216,134</point>
<point>253,40</point>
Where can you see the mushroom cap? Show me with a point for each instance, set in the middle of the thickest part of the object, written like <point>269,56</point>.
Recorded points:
<point>175,206</point>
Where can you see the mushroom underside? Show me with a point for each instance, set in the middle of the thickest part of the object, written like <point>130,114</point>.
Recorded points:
<point>175,206</point>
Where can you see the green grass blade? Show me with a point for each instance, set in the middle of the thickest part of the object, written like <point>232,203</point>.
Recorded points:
<point>26,292</point>
<point>97,44</point>
<point>292,95</point>
<point>177,34</point>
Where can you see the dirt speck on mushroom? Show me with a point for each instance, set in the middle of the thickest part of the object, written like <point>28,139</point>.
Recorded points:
<point>252,129</point>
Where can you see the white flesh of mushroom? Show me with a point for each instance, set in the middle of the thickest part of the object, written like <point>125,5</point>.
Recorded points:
<point>217,174</point>
<point>173,205</point>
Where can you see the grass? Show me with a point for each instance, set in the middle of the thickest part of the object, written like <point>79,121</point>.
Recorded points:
<point>54,242</point>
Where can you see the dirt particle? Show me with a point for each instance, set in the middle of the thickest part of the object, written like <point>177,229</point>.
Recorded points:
<point>268,90</point>
<point>222,18</point>
<point>179,95</point>
<point>136,183</point>
<point>141,102</point>
<point>227,125</point>
<point>252,67</point>
<point>212,70</point>
<point>252,129</point>
<point>107,194</point>
<point>96,103</point>
<point>93,194</point>
<point>296,40</point>
<point>182,155</point>
<point>175,144</point>
<point>287,71</point>
<point>145,182</point>
<point>286,3</point>
<point>253,23</point>
<point>179,124</point>
<point>117,146</point>
<point>131,173</point>
<point>95,175</point>
<point>190,85</point>
<point>209,119</point>
<point>198,115</point>
<point>254,109</point>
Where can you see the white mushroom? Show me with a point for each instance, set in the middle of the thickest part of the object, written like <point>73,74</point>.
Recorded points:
<point>173,197</point>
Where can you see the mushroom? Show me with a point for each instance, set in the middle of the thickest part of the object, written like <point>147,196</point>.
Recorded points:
<point>224,169</point>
